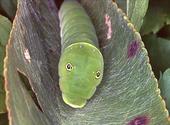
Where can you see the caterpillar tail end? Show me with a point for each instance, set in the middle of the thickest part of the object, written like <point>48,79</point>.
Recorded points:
<point>74,102</point>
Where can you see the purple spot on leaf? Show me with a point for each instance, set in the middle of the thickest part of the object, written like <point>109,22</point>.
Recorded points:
<point>133,49</point>
<point>27,55</point>
<point>109,25</point>
<point>140,120</point>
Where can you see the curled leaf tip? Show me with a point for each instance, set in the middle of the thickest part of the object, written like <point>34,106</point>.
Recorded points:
<point>140,120</point>
<point>133,49</point>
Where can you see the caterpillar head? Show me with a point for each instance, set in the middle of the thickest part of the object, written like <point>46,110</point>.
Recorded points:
<point>80,71</point>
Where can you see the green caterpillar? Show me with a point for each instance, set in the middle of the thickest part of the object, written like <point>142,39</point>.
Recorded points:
<point>81,62</point>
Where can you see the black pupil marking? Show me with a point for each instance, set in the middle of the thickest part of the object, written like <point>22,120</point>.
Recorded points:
<point>69,67</point>
<point>98,74</point>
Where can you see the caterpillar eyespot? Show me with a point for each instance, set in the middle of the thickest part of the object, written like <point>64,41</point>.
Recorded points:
<point>97,75</point>
<point>69,67</point>
<point>80,47</point>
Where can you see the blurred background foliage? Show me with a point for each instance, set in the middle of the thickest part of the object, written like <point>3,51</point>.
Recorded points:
<point>154,29</point>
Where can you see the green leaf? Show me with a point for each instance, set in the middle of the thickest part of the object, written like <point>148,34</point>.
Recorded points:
<point>5,29</point>
<point>165,87</point>
<point>156,16</point>
<point>159,51</point>
<point>35,34</point>
<point>135,10</point>
<point>128,93</point>
<point>9,6</point>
